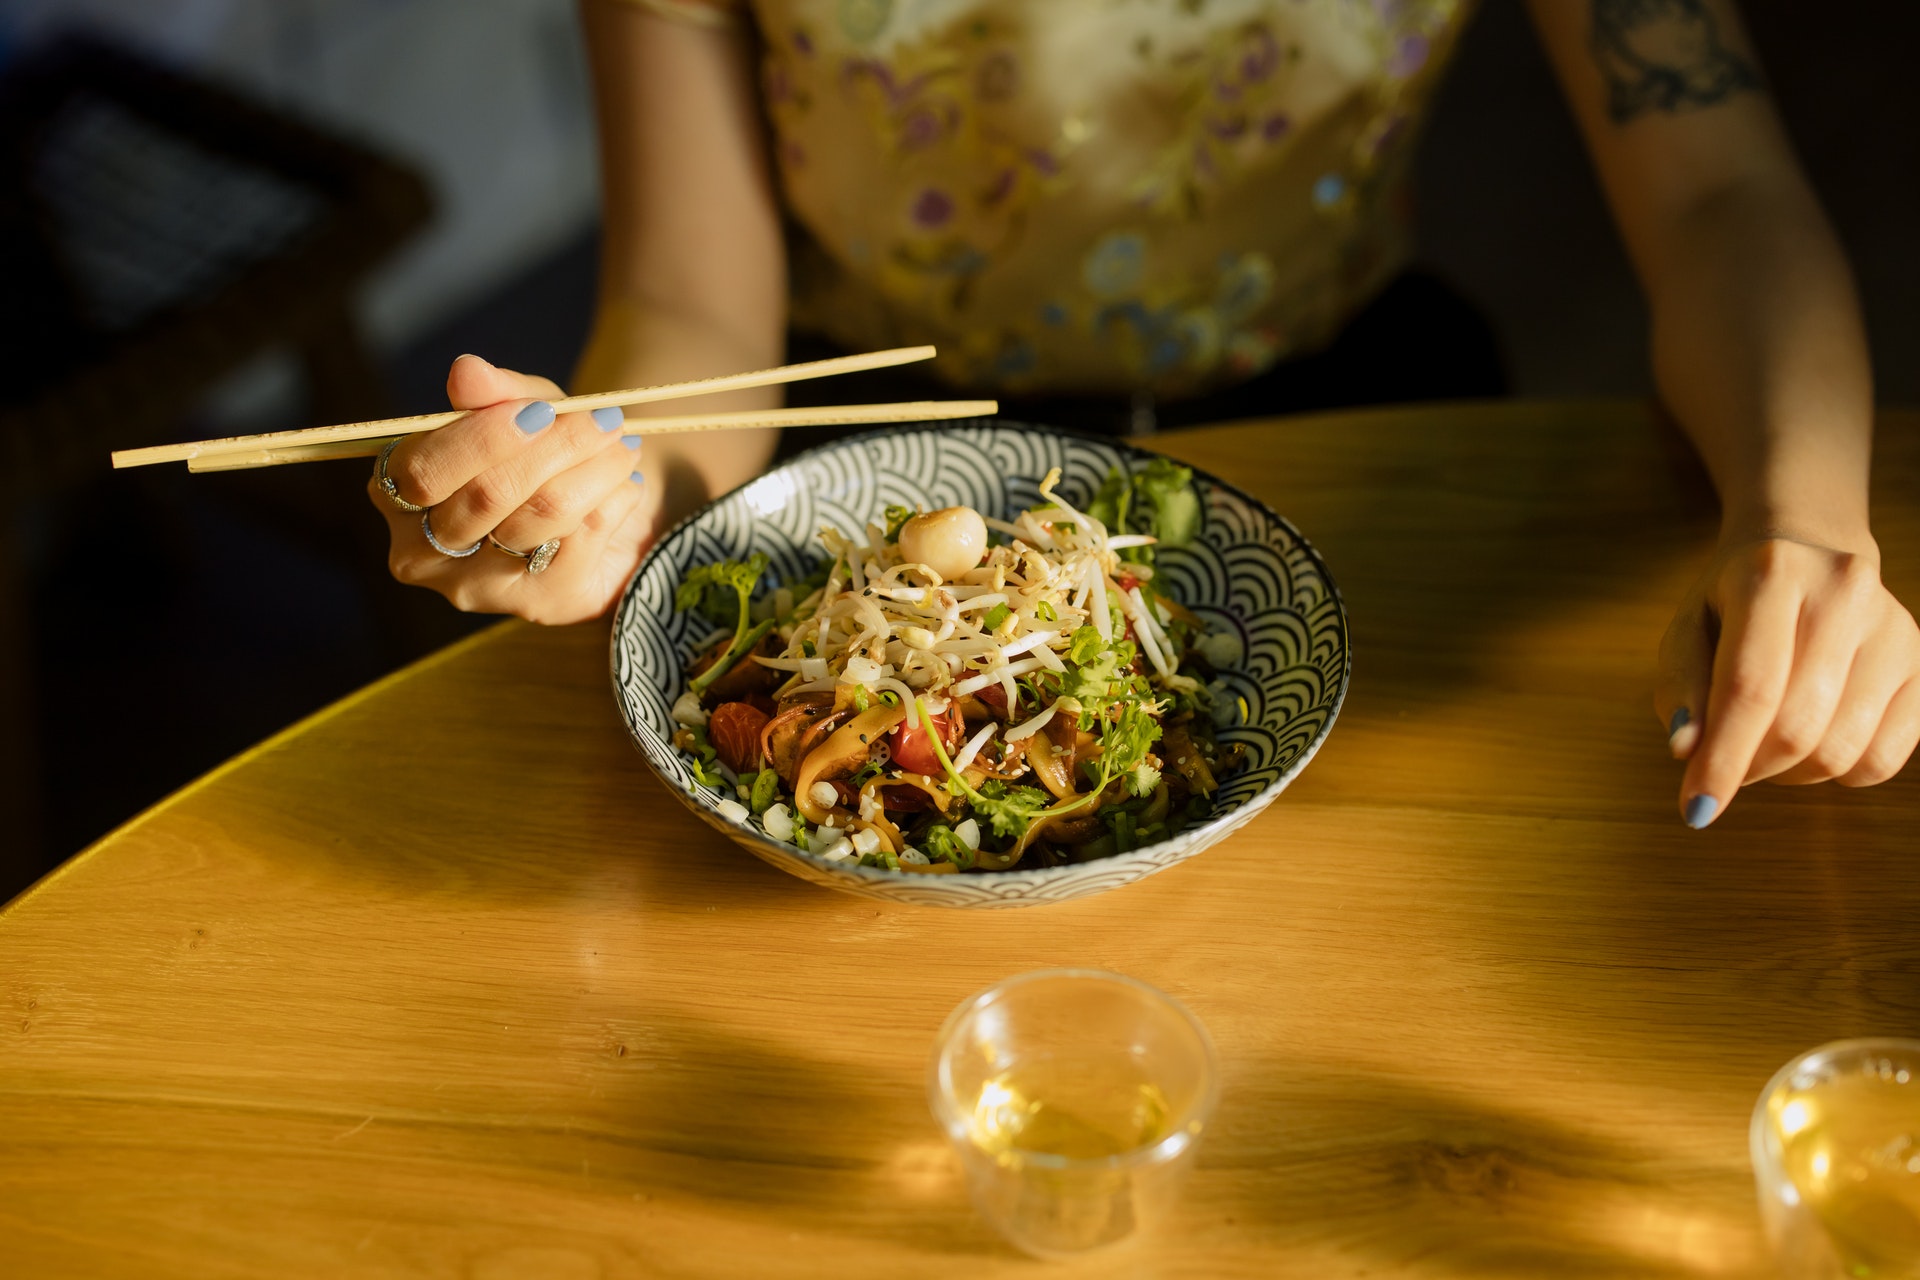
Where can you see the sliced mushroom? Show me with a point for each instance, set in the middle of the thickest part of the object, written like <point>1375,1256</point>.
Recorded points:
<point>910,793</point>
<point>782,737</point>
<point>1179,750</point>
<point>1052,759</point>
<point>1082,824</point>
<point>1014,765</point>
<point>845,750</point>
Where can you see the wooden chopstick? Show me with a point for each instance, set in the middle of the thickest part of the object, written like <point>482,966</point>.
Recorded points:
<point>830,415</point>
<point>387,428</point>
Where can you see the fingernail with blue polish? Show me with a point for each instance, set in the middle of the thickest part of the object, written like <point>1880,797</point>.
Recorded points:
<point>1681,719</point>
<point>609,418</point>
<point>1700,811</point>
<point>632,442</point>
<point>534,417</point>
<point>637,477</point>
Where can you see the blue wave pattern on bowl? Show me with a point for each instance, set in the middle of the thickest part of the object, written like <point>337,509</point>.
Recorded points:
<point>1249,572</point>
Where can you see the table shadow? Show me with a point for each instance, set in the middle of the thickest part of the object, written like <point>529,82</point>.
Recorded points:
<point>685,1107</point>
<point>1440,556</point>
<point>1413,1181</point>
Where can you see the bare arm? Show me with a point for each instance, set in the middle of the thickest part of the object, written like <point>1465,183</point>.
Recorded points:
<point>693,268</point>
<point>693,284</point>
<point>1790,660</point>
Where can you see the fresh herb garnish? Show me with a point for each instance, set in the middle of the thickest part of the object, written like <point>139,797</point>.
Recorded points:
<point>1010,810</point>
<point>705,589</point>
<point>944,846</point>
<point>1159,500</point>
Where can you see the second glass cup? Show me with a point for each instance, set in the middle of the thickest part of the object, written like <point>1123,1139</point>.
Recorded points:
<point>1836,1158</point>
<point>1075,1099</point>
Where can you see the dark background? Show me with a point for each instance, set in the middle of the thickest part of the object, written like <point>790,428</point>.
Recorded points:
<point>162,622</point>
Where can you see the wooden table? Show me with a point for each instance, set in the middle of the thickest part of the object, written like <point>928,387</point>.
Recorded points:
<point>440,982</point>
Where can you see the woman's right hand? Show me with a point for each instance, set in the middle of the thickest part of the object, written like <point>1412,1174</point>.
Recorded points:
<point>513,470</point>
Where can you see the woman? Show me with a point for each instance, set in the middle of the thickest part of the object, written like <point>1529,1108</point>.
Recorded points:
<point>1158,199</point>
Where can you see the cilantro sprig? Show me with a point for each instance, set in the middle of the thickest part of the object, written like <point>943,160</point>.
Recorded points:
<point>705,589</point>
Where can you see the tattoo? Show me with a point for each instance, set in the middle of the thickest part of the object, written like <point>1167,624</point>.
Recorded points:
<point>1664,55</point>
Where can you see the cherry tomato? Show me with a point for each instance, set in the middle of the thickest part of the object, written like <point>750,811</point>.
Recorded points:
<point>734,730</point>
<point>911,749</point>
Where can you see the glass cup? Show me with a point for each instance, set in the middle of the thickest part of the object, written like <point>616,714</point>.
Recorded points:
<point>1075,1099</point>
<point>1836,1159</point>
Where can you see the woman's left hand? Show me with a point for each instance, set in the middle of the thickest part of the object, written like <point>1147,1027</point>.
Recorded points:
<point>1788,661</point>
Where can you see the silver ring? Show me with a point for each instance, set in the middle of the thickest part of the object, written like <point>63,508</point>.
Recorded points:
<point>537,559</point>
<point>387,485</point>
<point>426,527</point>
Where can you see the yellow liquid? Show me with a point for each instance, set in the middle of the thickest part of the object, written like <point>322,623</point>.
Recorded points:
<point>1852,1148</point>
<point>1080,1114</point>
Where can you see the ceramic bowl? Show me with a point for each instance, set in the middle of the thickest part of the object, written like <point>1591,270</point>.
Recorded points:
<point>1249,573</point>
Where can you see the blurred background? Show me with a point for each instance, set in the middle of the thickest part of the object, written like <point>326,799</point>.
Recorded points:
<point>273,215</point>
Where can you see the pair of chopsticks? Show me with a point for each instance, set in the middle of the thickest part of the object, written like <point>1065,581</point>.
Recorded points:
<point>367,439</point>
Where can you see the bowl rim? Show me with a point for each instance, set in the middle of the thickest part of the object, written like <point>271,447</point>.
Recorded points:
<point>1033,876</point>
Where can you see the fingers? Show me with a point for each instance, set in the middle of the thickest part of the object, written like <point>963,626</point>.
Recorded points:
<point>1893,741</point>
<point>1686,668</point>
<point>518,468</point>
<point>583,579</point>
<point>472,383</point>
<point>1876,674</point>
<point>557,508</point>
<point>1815,676</point>
<point>1750,669</point>
<point>507,410</point>
<point>1826,644</point>
<point>586,574</point>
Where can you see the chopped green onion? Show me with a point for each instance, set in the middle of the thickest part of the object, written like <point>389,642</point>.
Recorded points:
<point>766,790</point>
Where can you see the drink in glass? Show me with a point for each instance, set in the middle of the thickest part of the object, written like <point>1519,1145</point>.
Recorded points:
<point>1075,1099</point>
<point>1836,1156</point>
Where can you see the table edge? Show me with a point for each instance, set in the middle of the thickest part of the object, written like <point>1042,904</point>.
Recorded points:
<point>486,635</point>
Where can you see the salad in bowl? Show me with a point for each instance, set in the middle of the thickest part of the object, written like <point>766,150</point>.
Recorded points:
<point>953,693</point>
<point>979,664</point>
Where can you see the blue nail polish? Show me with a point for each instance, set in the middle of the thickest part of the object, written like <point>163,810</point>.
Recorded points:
<point>1681,719</point>
<point>609,418</point>
<point>632,442</point>
<point>636,477</point>
<point>1700,811</point>
<point>535,417</point>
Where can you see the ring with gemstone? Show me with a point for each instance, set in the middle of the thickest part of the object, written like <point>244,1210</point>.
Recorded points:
<point>426,527</point>
<point>537,559</point>
<point>387,486</point>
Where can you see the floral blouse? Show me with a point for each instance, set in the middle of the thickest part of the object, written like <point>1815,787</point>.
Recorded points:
<point>1092,195</point>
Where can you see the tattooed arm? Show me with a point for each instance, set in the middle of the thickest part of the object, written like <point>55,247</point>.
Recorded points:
<point>1788,659</point>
